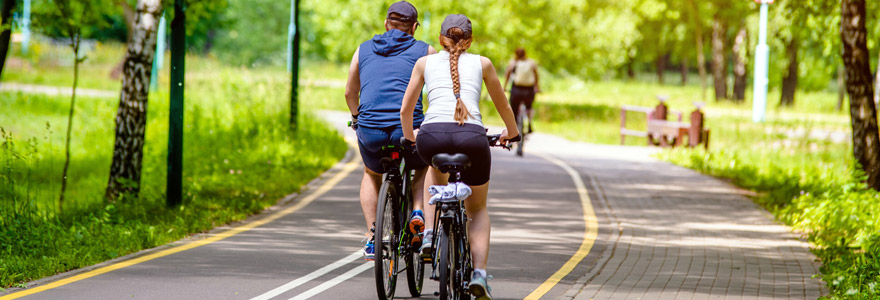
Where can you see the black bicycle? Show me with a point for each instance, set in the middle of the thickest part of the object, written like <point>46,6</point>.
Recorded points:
<point>452,263</point>
<point>392,239</point>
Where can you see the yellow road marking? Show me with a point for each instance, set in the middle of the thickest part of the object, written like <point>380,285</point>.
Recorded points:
<point>324,188</point>
<point>590,234</point>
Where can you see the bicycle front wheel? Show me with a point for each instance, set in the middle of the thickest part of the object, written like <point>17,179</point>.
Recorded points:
<point>386,241</point>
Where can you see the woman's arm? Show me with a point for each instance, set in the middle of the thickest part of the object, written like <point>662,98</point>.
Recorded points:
<point>353,85</point>
<point>506,73</point>
<point>416,80</point>
<point>496,92</point>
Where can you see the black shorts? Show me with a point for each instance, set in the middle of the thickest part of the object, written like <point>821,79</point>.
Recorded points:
<point>469,139</point>
<point>521,94</point>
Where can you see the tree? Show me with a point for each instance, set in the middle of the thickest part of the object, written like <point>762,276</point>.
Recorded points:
<point>790,79</point>
<point>68,18</point>
<point>6,9</point>
<point>740,61</point>
<point>131,117</point>
<point>694,12</point>
<point>856,60</point>
<point>719,55</point>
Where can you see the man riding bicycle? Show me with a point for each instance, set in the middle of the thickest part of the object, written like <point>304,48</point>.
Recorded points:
<point>377,79</point>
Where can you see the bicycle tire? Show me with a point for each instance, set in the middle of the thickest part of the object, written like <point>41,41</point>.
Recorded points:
<point>520,125</point>
<point>444,250</point>
<point>385,241</point>
<point>415,267</point>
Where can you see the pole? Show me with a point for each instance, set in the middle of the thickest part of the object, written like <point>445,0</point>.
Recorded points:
<point>291,29</point>
<point>762,53</point>
<point>174,181</point>
<point>294,65</point>
<point>26,26</point>
<point>158,58</point>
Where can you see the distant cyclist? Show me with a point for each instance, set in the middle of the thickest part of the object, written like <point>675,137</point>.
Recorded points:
<point>525,83</point>
<point>453,124</point>
<point>377,79</point>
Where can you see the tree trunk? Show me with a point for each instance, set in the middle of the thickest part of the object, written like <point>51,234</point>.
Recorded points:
<point>698,32</point>
<point>630,73</point>
<point>856,59</point>
<point>661,66</point>
<point>684,71</point>
<point>6,14</point>
<point>74,45</point>
<point>131,118</point>
<point>719,61</point>
<point>790,80</point>
<point>841,88</point>
<point>877,81</point>
<point>740,54</point>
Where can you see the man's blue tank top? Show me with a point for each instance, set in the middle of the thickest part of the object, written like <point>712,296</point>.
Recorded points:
<point>385,65</point>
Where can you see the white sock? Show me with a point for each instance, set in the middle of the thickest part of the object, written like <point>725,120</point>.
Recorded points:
<point>482,272</point>
<point>429,232</point>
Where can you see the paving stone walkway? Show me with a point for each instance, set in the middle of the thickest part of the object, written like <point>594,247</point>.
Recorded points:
<point>667,232</point>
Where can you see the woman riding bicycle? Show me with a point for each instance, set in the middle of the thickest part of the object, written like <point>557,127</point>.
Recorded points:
<point>525,83</point>
<point>453,124</point>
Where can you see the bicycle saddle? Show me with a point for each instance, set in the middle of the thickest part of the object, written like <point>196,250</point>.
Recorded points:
<point>447,162</point>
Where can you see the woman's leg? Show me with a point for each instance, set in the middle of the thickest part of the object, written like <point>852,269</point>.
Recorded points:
<point>434,177</point>
<point>478,225</point>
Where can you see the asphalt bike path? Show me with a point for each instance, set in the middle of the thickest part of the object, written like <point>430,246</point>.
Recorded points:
<point>313,251</point>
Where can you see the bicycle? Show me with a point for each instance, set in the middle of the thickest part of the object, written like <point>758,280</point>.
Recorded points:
<point>451,261</point>
<point>521,126</point>
<point>392,240</point>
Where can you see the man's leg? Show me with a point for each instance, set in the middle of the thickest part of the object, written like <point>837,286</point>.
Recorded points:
<point>369,196</point>
<point>418,188</point>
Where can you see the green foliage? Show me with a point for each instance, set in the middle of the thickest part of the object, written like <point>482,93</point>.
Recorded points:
<point>239,159</point>
<point>72,18</point>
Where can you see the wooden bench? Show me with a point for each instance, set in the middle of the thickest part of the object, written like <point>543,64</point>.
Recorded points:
<point>660,132</point>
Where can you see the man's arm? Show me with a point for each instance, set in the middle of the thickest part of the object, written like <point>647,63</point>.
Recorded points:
<point>353,85</point>
<point>410,97</point>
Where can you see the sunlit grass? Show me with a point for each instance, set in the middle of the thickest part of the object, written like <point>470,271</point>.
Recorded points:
<point>240,157</point>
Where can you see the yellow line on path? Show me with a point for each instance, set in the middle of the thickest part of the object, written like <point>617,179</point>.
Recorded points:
<point>324,188</point>
<point>591,224</point>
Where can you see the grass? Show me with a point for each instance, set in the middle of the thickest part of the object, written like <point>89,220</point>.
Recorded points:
<point>240,157</point>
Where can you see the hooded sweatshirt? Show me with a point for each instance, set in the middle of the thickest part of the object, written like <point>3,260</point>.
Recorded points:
<point>385,65</point>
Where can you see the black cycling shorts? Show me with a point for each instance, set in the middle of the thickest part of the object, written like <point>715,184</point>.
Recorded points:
<point>521,94</point>
<point>469,139</point>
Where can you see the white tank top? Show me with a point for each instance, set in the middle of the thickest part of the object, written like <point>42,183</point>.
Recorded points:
<point>441,98</point>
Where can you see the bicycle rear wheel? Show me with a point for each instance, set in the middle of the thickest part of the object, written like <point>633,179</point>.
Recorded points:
<point>386,240</point>
<point>415,268</point>
<point>444,258</point>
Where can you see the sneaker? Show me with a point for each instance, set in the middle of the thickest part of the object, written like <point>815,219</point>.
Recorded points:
<point>427,248</point>
<point>416,226</point>
<point>479,288</point>
<point>369,250</point>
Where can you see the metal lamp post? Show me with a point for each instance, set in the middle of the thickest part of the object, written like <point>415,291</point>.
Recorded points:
<point>762,53</point>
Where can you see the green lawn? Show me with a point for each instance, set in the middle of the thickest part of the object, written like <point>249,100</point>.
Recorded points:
<point>240,157</point>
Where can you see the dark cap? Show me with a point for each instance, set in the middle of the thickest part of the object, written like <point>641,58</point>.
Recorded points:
<point>456,20</point>
<point>407,12</point>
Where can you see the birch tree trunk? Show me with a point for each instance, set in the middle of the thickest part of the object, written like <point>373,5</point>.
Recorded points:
<point>131,118</point>
<point>856,60</point>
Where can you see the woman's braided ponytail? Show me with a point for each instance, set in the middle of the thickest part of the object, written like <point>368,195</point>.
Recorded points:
<point>455,42</point>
